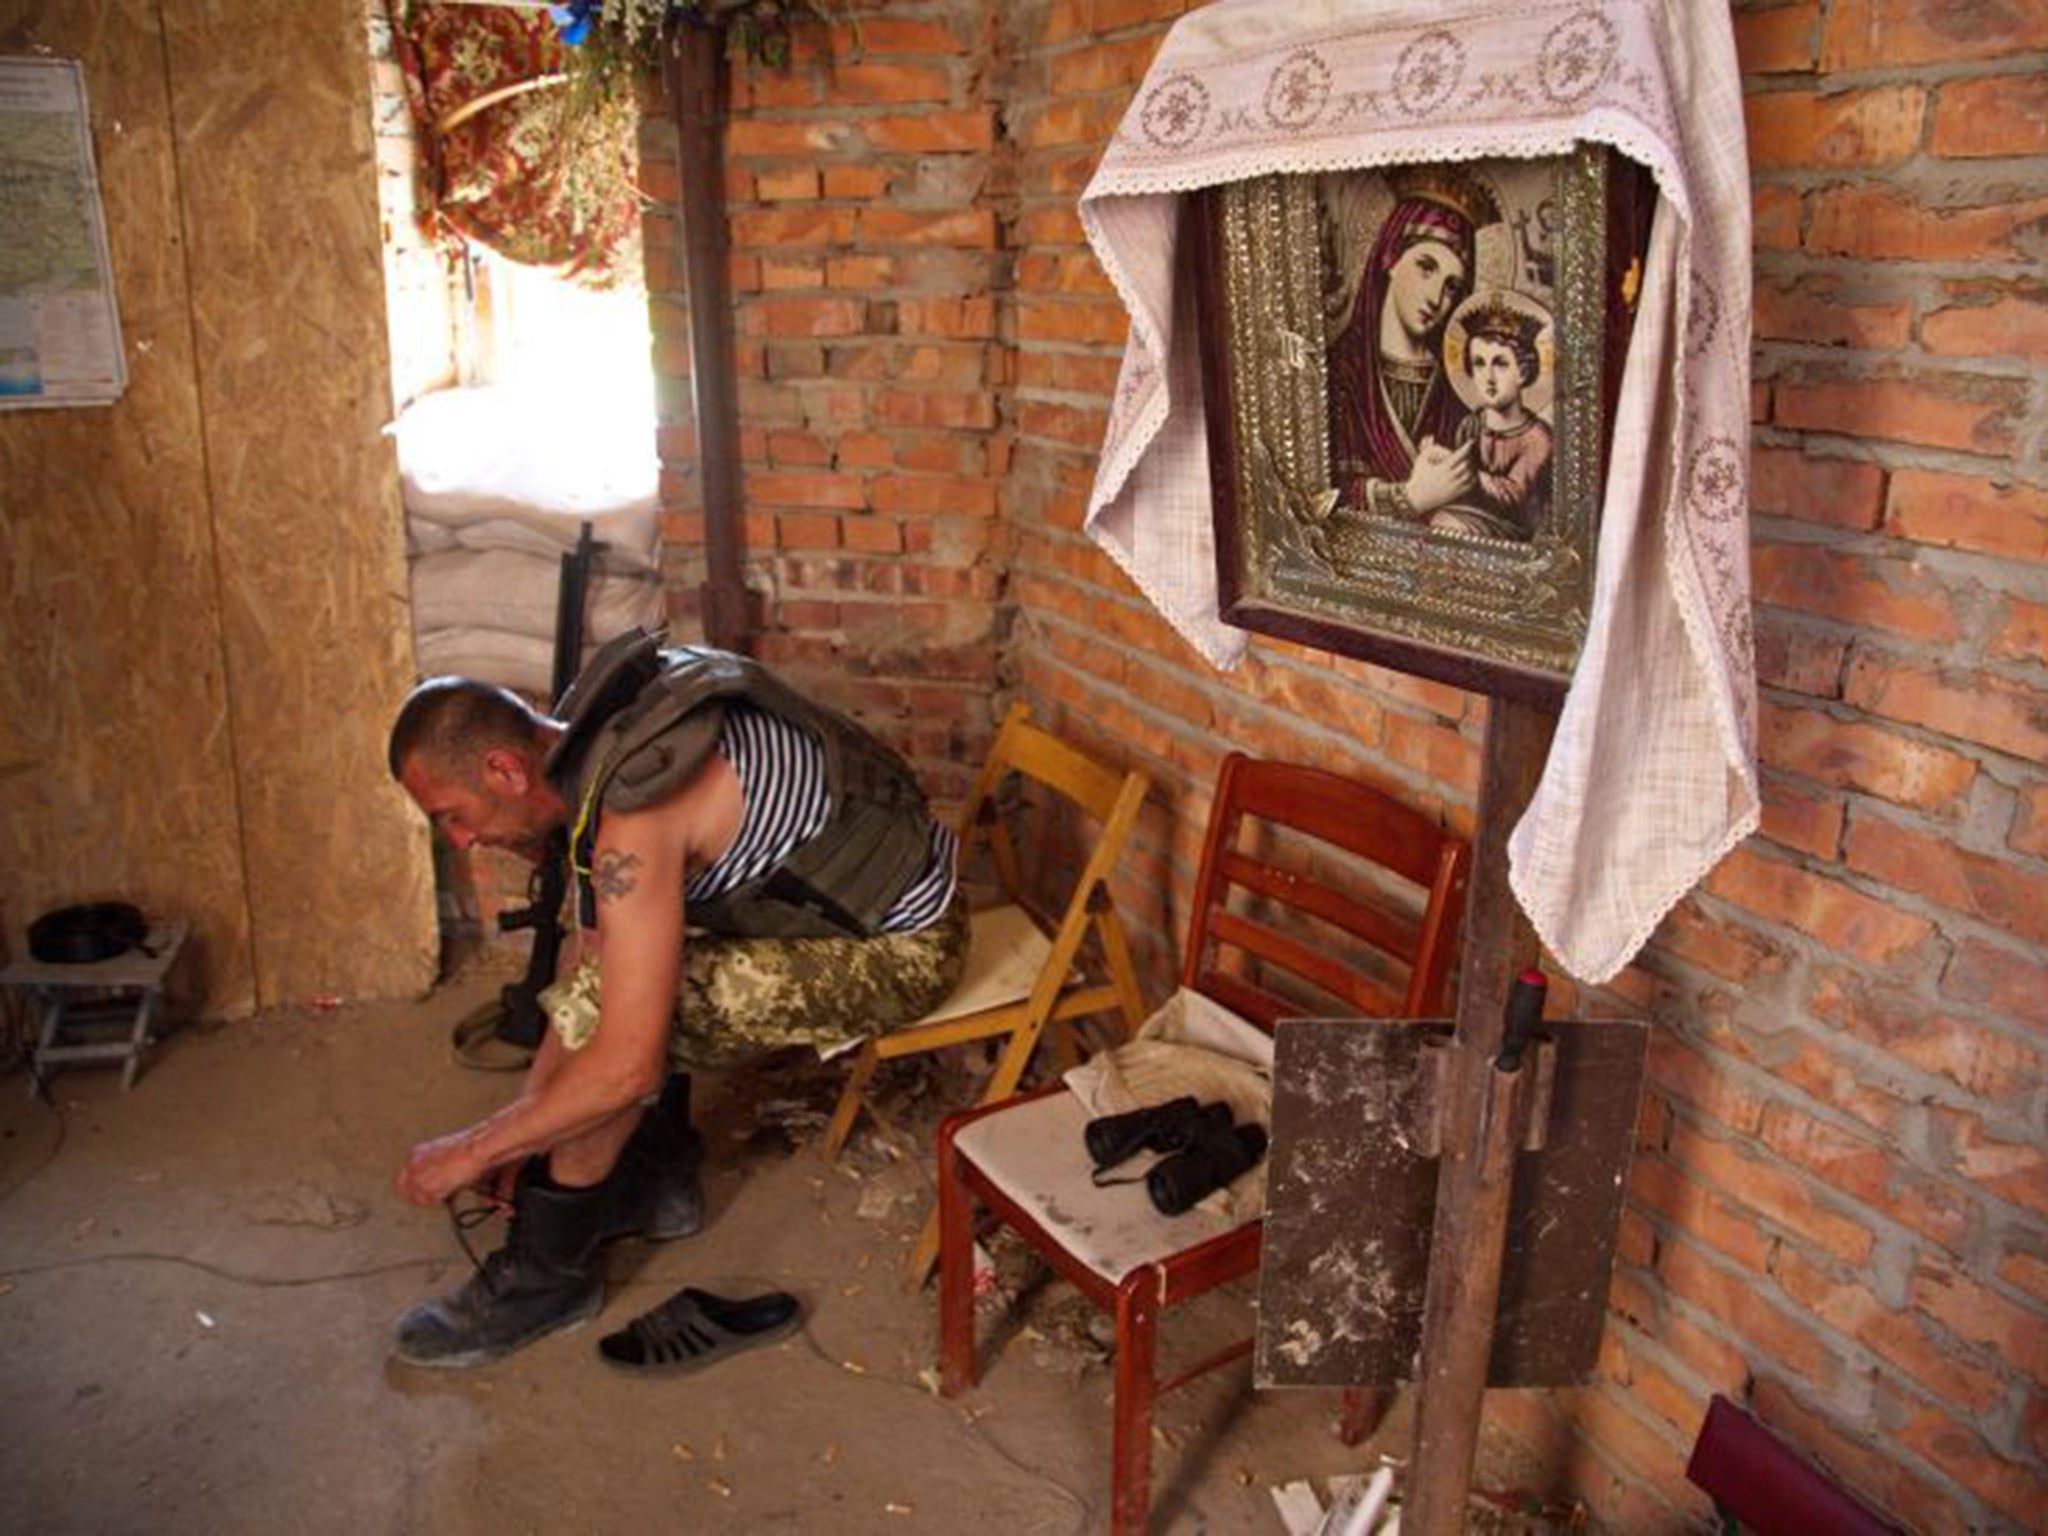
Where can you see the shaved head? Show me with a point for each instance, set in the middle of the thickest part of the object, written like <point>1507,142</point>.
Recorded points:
<point>449,723</point>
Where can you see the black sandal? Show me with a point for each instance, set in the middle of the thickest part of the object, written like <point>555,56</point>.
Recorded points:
<point>694,1328</point>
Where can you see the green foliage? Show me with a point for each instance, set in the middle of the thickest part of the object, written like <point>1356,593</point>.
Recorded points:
<point>627,34</point>
<point>762,28</point>
<point>623,46</point>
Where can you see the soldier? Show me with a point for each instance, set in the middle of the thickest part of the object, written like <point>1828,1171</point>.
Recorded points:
<point>699,791</point>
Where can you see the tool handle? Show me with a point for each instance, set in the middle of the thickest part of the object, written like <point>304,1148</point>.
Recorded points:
<point>1524,1015</point>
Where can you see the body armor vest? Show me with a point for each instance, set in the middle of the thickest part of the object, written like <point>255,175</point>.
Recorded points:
<point>639,722</point>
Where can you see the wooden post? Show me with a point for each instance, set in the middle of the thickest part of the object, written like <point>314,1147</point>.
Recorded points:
<point>696,99</point>
<point>1473,1184</point>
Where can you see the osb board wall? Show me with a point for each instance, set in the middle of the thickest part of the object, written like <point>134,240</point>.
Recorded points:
<point>272,104</point>
<point>116,774</point>
<point>206,620</point>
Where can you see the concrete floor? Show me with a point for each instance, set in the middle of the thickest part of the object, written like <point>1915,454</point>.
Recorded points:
<point>197,1280</point>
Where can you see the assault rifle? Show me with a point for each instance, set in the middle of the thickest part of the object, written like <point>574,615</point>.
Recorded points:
<point>521,1021</point>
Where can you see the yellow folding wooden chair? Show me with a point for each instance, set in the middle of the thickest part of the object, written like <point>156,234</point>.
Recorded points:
<point>1025,971</point>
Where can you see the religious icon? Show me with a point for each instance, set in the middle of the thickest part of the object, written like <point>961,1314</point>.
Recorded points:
<point>1409,391</point>
<point>1494,357</point>
<point>1393,411</point>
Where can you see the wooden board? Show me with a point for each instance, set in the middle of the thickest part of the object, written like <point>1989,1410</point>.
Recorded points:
<point>116,767</point>
<point>272,103</point>
<point>1351,1197</point>
<point>206,621</point>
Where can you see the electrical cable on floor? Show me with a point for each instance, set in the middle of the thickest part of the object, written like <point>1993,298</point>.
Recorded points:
<point>56,1147</point>
<point>288,1282</point>
<point>474,1042</point>
<point>972,1425</point>
<point>11,1271</point>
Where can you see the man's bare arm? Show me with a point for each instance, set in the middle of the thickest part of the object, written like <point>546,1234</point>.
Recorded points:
<point>637,871</point>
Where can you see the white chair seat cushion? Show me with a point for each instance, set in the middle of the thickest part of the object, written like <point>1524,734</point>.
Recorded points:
<point>1034,1154</point>
<point>1005,954</point>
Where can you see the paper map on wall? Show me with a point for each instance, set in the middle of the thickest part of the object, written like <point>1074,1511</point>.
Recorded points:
<point>60,334</point>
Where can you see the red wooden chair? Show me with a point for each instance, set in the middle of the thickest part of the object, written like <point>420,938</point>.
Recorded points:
<point>1024,1160</point>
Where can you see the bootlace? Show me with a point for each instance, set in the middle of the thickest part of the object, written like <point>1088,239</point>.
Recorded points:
<point>462,1220</point>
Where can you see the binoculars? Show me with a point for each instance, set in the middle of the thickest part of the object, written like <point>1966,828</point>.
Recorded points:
<point>1204,1150</point>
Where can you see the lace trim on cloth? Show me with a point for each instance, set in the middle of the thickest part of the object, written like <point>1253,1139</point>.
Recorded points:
<point>1652,777</point>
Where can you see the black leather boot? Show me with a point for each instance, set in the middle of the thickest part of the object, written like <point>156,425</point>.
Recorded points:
<point>545,1277</point>
<point>657,1189</point>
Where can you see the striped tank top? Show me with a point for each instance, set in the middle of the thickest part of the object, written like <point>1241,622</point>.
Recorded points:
<point>781,768</point>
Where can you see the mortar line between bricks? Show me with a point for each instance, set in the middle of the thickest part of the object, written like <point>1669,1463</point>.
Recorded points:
<point>1422,783</point>
<point>1877,76</point>
<point>1853,1353</point>
<point>1922,1084</point>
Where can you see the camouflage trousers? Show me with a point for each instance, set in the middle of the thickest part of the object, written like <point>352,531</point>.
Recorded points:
<point>744,998</point>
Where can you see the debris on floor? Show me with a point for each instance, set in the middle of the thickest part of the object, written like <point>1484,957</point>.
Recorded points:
<point>1367,1505</point>
<point>883,1192</point>
<point>1517,1513</point>
<point>1358,1505</point>
<point>1071,1343</point>
<point>791,1122</point>
<point>1013,1267</point>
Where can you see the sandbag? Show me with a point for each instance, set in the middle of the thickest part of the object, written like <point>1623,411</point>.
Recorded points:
<point>493,467</point>
<point>505,589</point>
<point>523,663</point>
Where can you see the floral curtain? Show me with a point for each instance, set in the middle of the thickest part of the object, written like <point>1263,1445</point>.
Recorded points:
<point>518,153</point>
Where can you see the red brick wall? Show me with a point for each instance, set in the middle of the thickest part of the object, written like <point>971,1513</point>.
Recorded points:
<point>1839,1211</point>
<point>863,186</point>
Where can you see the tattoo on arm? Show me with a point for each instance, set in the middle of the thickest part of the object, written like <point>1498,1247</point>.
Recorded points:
<point>613,874</point>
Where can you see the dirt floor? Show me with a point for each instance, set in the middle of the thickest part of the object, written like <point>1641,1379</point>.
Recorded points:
<point>198,1278</point>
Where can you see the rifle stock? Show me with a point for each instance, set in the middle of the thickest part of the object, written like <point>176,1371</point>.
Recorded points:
<point>522,1021</point>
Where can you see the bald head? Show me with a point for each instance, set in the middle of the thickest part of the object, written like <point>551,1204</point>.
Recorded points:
<point>447,724</point>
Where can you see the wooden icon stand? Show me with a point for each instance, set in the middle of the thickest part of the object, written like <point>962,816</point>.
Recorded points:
<point>1475,1178</point>
<point>1319,543</point>
<point>1423,1202</point>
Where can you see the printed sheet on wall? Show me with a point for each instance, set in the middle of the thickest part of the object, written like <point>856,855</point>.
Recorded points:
<point>60,333</point>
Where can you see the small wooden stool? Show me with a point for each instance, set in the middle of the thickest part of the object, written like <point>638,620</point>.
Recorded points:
<point>100,1011</point>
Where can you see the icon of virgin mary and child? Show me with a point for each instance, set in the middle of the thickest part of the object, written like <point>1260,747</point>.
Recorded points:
<point>1431,420</point>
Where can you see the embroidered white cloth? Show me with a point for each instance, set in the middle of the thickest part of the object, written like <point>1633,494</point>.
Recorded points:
<point>1652,775</point>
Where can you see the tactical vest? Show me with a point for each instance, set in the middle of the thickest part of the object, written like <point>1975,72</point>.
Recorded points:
<point>640,721</point>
